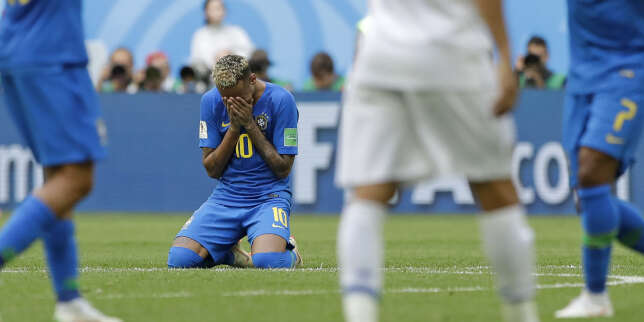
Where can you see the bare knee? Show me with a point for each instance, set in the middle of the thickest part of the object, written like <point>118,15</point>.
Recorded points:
<point>595,168</point>
<point>268,243</point>
<point>79,179</point>
<point>191,244</point>
<point>74,179</point>
<point>495,194</point>
<point>378,192</point>
<point>65,186</point>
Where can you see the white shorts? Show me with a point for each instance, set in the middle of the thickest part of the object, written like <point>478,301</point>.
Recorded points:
<point>405,137</point>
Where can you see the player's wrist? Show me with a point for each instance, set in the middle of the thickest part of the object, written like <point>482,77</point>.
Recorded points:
<point>234,127</point>
<point>250,124</point>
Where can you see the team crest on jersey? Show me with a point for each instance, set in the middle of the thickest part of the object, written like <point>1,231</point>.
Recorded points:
<point>262,121</point>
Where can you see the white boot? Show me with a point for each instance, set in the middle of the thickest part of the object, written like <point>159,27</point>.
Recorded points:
<point>587,305</point>
<point>520,312</point>
<point>242,258</point>
<point>79,310</point>
<point>298,261</point>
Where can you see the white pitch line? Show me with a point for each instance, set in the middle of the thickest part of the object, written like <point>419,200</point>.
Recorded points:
<point>619,280</point>
<point>142,296</point>
<point>470,270</point>
<point>475,270</point>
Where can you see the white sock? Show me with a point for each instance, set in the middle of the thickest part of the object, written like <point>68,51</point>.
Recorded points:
<point>508,242</point>
<point>360,258</point>
<point>521,312</point>
<point>360,307</point>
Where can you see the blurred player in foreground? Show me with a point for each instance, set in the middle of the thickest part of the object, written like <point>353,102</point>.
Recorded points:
<point>602,126</point>
<point>52,101</point>
<point>248,136</point>
<point>423,100</point>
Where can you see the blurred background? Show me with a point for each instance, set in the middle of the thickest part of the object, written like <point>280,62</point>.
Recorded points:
<point>150,61</point>
<point>290,32</point>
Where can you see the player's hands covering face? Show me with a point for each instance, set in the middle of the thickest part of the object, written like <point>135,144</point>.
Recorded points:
<point>240,111</point>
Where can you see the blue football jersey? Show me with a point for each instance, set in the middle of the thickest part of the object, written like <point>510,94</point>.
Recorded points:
<point>606,45</point>
<point>34,33</point>
<point>247,180</point>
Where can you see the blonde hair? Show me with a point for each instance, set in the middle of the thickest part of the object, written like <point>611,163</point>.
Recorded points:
<point>229,70</point>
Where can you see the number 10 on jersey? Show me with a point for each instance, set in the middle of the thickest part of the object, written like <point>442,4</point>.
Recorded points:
<point>280,217</point>
<point>244,148</point>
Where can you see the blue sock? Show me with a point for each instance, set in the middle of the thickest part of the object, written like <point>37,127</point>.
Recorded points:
<point>227,259</point>
<point>60,247</point>
<point>181,257</point>
<point>28,222</point>
<point>600,221</point>
<point>631,226</point>
<point>284,259</point>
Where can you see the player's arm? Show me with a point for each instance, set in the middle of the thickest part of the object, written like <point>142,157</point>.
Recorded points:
<point>280,164</point>
<point>215,160</point>
<point>492,13</point>
<point>217,149</point>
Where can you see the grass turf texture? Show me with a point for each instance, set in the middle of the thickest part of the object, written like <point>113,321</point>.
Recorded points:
<point>435,272</point>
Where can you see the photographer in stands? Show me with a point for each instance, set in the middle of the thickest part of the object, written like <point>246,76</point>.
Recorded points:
<point>117,76</point>
<point>532,69</point>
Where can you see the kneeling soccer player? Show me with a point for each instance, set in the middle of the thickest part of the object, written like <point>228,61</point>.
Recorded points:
<point>248,135</point>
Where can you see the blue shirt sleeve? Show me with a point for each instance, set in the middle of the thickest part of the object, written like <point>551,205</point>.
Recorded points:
<point>285,131</point>
<point>209,136</point>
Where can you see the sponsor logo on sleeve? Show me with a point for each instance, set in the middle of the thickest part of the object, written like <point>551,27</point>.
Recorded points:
<point>290,137</point>
<point>203,130</point>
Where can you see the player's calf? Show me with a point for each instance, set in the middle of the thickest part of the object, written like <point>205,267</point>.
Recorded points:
<point>181,257</point>
<point>270,251</point>
<point>31,220</point>
<point>508,242</point>
<point>599,214</point>
<point>65,186</point>
<point>631,226</point>
<point>285,259</point>
<point>596,168</point>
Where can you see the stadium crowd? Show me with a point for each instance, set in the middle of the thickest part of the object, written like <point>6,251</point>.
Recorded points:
<point>210,42</point>
<point>216,39</point>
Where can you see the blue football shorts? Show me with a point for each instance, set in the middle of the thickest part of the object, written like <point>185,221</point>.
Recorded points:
<point>609,122</point>
<point>217,227</point>
<point>56,110</point>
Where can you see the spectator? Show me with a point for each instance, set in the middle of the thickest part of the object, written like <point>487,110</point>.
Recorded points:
<point>323,74</point>
<point>211,40</point>
<point>160,61</point>
<point>117,75</point>
<point>532,68</point>
<point>259,64</point>
<point>189,82</point>
<point>152,81</point>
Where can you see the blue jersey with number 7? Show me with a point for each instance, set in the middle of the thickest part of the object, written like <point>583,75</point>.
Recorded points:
<point>247,180</point>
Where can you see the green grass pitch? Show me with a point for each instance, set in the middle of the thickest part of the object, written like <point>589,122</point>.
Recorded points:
<point>434,272</point>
